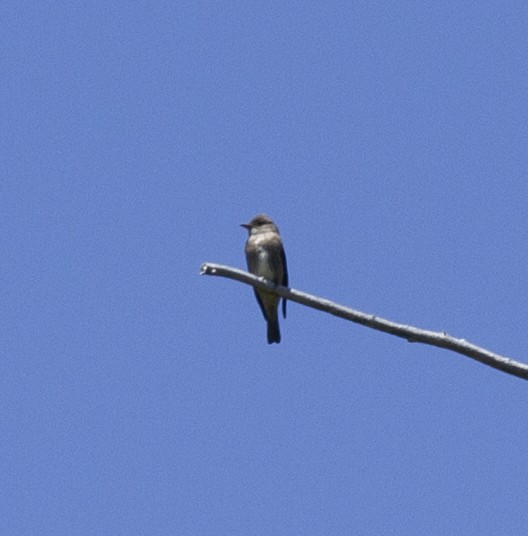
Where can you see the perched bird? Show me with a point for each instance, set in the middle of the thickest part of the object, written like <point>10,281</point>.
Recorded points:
<point>265,258</point>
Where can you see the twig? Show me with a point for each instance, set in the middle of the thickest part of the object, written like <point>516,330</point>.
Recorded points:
<point>411,333</point>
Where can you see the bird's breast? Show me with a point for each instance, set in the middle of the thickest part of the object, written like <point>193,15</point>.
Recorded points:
<point>265,266</point>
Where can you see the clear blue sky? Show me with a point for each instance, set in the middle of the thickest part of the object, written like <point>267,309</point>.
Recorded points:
<point>389,142</point>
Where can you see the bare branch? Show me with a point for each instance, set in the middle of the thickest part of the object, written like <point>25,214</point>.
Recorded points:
<point>411,333</point>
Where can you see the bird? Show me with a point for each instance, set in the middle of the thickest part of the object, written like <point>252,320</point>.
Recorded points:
<point>266,258</point>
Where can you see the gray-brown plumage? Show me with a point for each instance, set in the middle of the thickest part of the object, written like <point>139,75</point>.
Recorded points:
<point>265,258</point>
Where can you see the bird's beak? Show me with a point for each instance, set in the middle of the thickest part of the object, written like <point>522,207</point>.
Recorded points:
<point>246,226</point>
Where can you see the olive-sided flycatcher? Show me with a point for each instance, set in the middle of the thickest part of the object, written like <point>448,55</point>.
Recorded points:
<point>265,258</point>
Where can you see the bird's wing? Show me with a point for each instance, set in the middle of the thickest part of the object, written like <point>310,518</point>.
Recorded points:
<point>284,278</point>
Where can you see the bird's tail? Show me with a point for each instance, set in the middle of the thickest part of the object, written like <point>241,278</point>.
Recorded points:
<point>273,331</point>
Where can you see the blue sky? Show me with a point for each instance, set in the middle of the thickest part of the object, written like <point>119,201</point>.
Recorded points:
<point>387,140</point>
